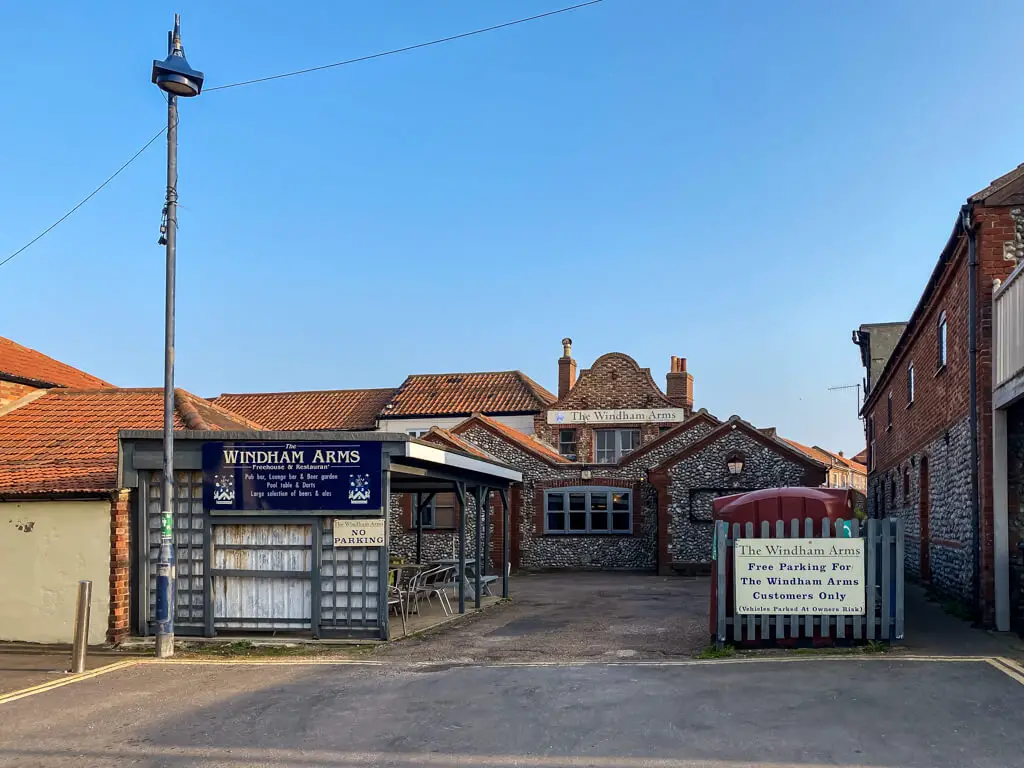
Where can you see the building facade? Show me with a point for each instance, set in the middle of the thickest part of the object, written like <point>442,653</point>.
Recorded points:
<point>929,445</point>
<point>618,475</point>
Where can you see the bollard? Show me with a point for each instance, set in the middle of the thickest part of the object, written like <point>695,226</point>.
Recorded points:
<point>81,626</point>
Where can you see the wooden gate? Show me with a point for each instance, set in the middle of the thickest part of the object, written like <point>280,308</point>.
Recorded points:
<point>262,575</point>
<point>883,580</point>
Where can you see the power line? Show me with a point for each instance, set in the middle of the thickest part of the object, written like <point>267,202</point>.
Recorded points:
<point>87,198</point>
<point>381,54</point>
<point>405,49</point>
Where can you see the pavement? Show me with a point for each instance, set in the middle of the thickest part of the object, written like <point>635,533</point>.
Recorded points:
<point>23,666</point>
<point>805,714</point>
<point>581,616</point>
<point>582,670</point>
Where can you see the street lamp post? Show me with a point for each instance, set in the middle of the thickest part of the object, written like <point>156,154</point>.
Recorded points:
<point>173,76</point>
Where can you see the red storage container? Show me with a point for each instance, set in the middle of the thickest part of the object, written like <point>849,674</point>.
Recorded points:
<point>770,505</point>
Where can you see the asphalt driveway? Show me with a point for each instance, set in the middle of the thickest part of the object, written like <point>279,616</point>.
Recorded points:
<point>798,714</point>
<point>589,616</point>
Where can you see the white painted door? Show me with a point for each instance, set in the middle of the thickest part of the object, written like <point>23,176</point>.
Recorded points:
<point>262,576</point>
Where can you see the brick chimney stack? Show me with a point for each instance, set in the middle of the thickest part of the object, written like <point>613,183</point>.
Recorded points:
<point>679,384</point>
<point>566,369</point>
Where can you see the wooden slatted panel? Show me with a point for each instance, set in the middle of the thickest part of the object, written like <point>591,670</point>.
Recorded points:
<point>794,619</point>
<point>737,620</point>
<point>780,626</point>
<point>763,619</point>
<point>721,557</point>
<point>898,575</point>
<point>840,531</point>
<point>751,631</point>
<point>858,621</point>
<point>886,578</point>
<point>872,580</point>
<point>809,619</point>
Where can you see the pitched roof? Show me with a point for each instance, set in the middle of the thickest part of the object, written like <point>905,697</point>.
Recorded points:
<point>463,394</point>
<point>862,457</point>
<point>64,442</point>
<point>827,457</point>
<point>1002,184</point>
<point>29,366</point>
<point>524,441</point>
<point>733,423</point>
<point>700,417</point>
<point>451,440</point>
<point>325,409</point>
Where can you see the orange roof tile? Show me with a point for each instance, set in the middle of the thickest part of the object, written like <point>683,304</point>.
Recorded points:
<point>827,457</point>
<point>450,439</point>
<point>463,394</point>
<point>65,441</point>
<point>817,454</point>
<point>20,362</point>
<point>531,444</point>
<point>326,409</point>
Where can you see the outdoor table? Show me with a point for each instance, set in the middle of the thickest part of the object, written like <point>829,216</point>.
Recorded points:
<point>469,576</point>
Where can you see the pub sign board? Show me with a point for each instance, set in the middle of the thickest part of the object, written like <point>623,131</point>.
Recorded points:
<point>800,576</point>
<point>337,477</point>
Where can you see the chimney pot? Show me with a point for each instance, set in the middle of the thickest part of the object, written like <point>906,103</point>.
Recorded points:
<point>566,369</point>
<point>679,384</point>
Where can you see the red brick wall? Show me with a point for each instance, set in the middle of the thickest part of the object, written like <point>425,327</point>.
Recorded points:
<point>119,623</point>
<point>9,391</point>
<point>941,397</point>
<point>614,381</point>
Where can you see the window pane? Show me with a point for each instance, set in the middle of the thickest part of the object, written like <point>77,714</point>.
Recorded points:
<point>599,501</point>
<point>567,443</point>
<point>578,501</point>
<point>604,456</point>
<point>577,521</point>
<point>556,521</point>
<point>604,439</point>
<point>556,502</point>
<point>444,517</point>
<point>620,521</point>
<point>630,440</point>
<point>599,521</point>
<point>620,501</point>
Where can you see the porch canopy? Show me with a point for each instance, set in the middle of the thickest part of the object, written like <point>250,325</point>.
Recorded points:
<point>407,465</point>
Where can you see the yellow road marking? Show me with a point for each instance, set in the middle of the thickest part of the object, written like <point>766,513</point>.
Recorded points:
<point>43,687</point>
<point>1012,663</point>
<point>278,662</point>
<point>1002,665</point>
<point>248,756</point>
<point>1008,667</point>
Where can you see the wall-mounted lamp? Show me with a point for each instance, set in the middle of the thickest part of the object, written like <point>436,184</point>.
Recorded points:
<point>734,463</point>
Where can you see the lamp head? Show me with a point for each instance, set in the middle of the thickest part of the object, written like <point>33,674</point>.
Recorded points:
<point>173,74</point>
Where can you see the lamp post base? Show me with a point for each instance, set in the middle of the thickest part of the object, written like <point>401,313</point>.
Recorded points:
<point>164,646</point>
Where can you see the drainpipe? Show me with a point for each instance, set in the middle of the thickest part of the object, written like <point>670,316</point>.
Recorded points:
<point>967,222</point>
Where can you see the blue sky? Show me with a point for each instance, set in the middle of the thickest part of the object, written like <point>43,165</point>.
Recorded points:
<point>737,183</point>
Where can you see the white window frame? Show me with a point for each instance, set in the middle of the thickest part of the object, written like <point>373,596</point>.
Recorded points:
<point>575,443</point>
<point>943,338</point>
<point>910,383</point>
<point>417,432</point>
<point>589,492</point>
<point>614,454</point>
